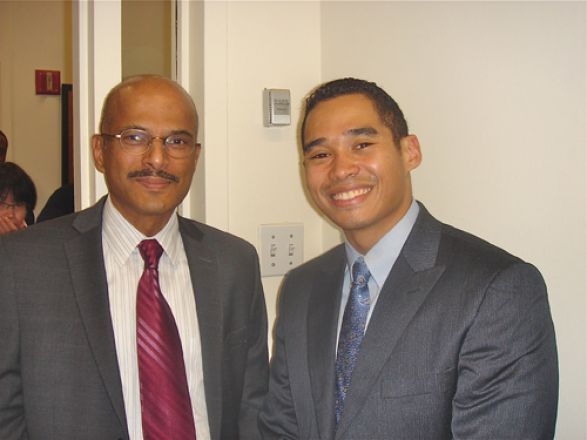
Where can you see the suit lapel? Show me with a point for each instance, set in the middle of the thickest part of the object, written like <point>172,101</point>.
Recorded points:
<point>90,288</point>
<point>412,277</point>
<point>204,274</point>
<point>323,308</point>
<point>86,260</point>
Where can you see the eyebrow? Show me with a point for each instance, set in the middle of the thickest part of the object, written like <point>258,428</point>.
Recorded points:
<point>181,132</point>
<point>171,133</point>
<point>353,132</point>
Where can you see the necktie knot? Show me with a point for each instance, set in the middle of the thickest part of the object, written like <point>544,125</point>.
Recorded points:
<point>360,272</point>
<point>151,252</point>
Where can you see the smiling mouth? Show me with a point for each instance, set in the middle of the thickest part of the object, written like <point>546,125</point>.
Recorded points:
<point>349,195</point>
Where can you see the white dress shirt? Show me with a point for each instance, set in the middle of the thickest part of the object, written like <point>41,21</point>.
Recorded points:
<point>124,267</point>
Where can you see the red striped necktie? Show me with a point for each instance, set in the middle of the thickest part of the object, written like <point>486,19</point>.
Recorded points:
<point>165,400</point>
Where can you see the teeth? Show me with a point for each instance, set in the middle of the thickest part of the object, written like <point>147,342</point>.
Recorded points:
<point>347,195</point>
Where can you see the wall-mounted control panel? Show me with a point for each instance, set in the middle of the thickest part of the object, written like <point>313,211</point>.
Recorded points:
<point>276,107</point>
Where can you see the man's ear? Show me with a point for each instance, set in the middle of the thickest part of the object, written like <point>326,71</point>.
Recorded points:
<point>411,153</point>
<point>98,152</point>
<point>197,151</point>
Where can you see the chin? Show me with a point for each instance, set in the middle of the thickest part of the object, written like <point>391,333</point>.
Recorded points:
<point>154,208</point>
<point>348,224</point>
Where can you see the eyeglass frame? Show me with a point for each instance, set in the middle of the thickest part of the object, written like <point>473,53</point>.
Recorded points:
<point>128,148</point>
<point>12,206</point>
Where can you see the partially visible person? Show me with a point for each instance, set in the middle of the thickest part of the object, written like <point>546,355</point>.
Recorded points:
<point>18,197</point>
<point>60,203</point>
<point>3,146</point>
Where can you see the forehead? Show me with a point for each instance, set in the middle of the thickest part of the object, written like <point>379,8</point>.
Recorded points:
<point>342,113</point>
<point>152,103</point>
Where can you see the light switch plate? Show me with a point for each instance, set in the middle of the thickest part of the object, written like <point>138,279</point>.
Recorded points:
<point>282,248</point>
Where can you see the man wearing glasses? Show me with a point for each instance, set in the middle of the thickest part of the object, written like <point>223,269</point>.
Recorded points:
<point>126,320</point>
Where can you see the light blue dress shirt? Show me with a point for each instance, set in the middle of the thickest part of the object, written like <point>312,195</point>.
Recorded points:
<point>380,259</point>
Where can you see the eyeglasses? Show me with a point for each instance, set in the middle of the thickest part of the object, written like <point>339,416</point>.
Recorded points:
<point>138,142</point>
<point>13,206</point>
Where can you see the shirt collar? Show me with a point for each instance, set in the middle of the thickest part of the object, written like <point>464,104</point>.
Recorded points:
<point>124,238</point>
<point>382,256</point>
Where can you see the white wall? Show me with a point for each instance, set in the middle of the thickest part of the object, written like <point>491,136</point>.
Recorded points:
<point>252,172</point>
<point>496,93</point>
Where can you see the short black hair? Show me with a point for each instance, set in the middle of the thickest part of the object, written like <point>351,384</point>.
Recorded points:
<point>13,179</point>
<point>388,110</point>
<point>3,144</point>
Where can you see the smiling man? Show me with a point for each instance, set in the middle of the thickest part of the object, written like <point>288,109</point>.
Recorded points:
<point>411,329</point>
<point>125,320</point>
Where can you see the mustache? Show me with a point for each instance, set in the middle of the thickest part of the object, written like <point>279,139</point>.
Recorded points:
<point>153,173</point>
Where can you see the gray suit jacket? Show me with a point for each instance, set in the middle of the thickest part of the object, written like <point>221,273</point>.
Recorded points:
<point>460,345</point>
<point>59,376</point>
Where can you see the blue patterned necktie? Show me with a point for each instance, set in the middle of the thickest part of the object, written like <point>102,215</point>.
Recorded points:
<point>351,331</point>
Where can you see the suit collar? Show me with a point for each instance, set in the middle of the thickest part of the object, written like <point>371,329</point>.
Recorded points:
<point>422,245</point>
<point>323,307</point>
<point>90,289</point>
<point>383,254</point>
<point>86,260</point>
<point>204,273</point>
<point>89,218</point>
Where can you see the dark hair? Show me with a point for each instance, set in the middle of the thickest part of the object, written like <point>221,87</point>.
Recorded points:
<point>388,110</point>
<point>13,179</point>
<point>3,145</point>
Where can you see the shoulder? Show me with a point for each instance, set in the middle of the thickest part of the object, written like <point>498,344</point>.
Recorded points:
<point>471,244</point>
<point>327,266</point>
<point>453,245</point>
<point>467,259</point>
<point>476,261</point>
<point>43,248</point>
<point>465,248</point>
<point>221,242</point>
<point>47,233</point>
<point>329,260</point>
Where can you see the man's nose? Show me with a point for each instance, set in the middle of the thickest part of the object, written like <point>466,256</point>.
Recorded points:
<point>156,155</point>
<point>344,166</point>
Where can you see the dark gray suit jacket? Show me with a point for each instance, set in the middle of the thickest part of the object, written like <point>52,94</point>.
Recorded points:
<point>460,345</point>
<point>59,376</point>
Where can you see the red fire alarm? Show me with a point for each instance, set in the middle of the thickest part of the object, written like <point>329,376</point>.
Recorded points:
<point>48,82</point>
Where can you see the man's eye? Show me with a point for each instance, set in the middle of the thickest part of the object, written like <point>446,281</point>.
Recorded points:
<point>318,156</point>
<point>178,141</point>
<point>362,145</point>
<point>135,139</point>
